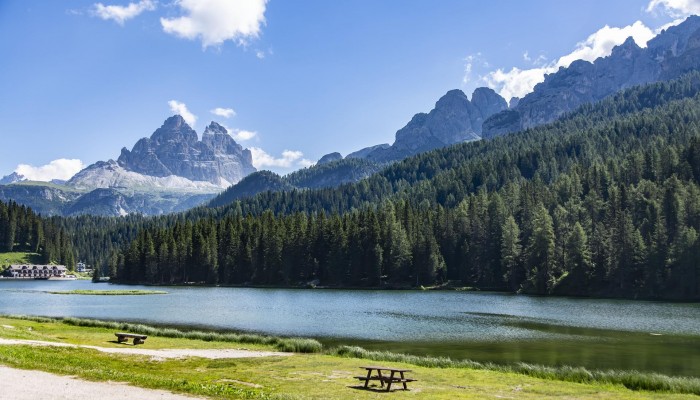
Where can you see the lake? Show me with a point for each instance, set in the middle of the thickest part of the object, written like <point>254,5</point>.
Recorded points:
<point>502,328</point>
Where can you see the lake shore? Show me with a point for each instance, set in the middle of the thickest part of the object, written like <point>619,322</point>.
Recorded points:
<point>485,327</point>
<point>314,375</point>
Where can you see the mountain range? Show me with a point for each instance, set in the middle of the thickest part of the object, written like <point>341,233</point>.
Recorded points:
<point>172,169</point>
<point>670,54</point>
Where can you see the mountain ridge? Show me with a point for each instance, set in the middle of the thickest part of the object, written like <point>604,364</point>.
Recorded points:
<point>666,56</point>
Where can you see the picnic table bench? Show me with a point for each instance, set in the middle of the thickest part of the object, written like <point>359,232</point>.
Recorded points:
<point>388,376</point>
<point>124,337</point>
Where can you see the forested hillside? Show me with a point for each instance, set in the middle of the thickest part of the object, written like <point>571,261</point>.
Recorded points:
<point>327,175</point>
<point>21,230</point>
<point>604,202</point>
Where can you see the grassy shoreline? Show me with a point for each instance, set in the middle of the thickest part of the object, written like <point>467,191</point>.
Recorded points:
<point>623,384</point>
<point>86,292</point>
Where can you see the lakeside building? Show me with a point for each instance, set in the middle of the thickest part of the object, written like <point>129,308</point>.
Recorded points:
<point>36,271</point>
<point>81,267</point>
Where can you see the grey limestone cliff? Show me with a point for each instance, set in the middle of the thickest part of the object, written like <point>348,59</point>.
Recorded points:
<point>667,56</point>
<point>174,149</point>
<point>454,119</point>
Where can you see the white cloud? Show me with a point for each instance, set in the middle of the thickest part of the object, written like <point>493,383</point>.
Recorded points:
<point>601,43</point>
<point>121,14</point>
<point>675,8</point>
<point>62,168</point>
<point>516,82</point>
<point>216,21</point>
<point>260,54</point>
<point>181,109</point>
<point>289,159</point>
<point>224,112</point>
<point>242,135</point>
<point>519,82</point>
<point>668,25</point>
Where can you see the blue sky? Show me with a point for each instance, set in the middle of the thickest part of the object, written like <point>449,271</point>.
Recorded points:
<point>82,79</point>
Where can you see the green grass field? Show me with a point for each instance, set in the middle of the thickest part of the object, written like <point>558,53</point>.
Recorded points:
<point>19,258</point>
<point>301,376</point>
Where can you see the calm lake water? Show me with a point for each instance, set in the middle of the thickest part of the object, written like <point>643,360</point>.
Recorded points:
<point>503,328</point>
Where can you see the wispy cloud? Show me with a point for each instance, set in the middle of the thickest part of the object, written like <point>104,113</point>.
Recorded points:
<point>62,168</point>
<point>121,14</point>
<point>215,21</point>
<point>469,62</point>
<point>224,112</point>
<point>289,159</point>
<point>518,82</point>
<point>181,109</point>
<point>675,8</point>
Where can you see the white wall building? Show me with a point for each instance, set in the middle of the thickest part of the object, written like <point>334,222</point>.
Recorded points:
<point>37,271</point>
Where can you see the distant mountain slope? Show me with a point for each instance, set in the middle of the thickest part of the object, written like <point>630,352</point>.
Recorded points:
<point>44,198</point>
<point>667,56</point>
<point>454,119</point>
<point>456,168</point>
<point>251,185</point>
<point>323,175</point>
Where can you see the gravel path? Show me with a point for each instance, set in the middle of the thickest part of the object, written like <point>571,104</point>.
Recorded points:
<point>18,384</point>
<point>155,354</point>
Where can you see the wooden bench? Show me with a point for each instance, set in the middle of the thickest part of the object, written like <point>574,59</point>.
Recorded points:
<point>383,378</point>
<point>124,337</point>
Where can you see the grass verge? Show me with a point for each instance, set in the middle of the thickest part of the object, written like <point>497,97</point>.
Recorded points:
<point>296,345</point>
<point>109,292</point>
<point>633,380</point>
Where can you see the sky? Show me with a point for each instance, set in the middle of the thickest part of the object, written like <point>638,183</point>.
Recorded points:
<point>291,80</point>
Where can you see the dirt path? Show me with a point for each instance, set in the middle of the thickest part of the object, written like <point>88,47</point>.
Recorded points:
<point>18,384</point>
<point>156,354</point>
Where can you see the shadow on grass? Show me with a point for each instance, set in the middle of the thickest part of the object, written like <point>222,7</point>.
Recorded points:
<point>378,389</point>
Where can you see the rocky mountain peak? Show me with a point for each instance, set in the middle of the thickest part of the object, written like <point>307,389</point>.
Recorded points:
<point>453,98</point>
<point>215,128</point>
<point>174,122</point>
<point>12,178</point>
<point>174,149</point>
<point>216,137</point>
<point>454,119</point>
<point>175,129</point>
<point>626,50</point>
<point>488,102</point>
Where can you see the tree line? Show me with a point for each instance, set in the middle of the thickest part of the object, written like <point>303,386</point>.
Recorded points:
<point>22,230</point>
<point>604,202</point>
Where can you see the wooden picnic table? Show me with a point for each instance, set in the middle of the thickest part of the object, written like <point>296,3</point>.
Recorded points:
<point>381,376</point>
